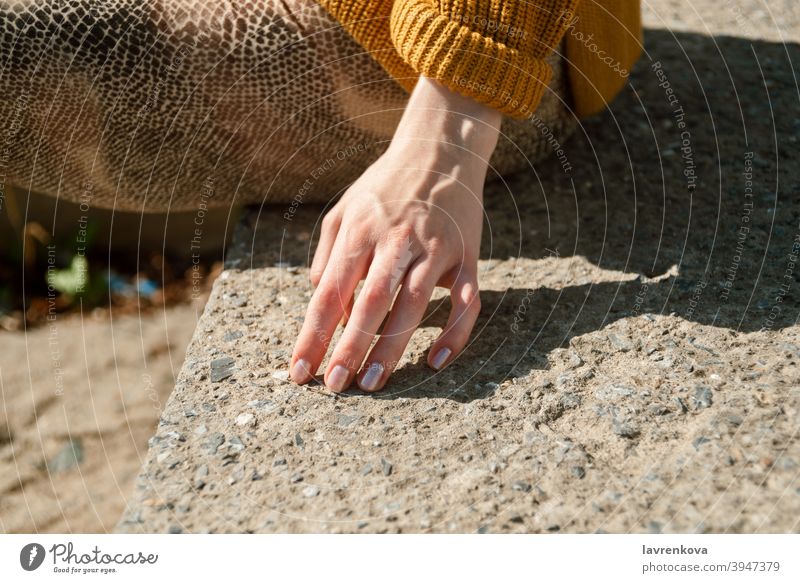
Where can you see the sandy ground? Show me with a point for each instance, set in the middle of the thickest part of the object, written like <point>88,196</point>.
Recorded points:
<point>80,398</point>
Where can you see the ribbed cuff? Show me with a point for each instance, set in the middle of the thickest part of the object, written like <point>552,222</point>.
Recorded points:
<point>467,62</point>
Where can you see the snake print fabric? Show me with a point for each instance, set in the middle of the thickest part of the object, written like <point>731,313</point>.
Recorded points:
<point>153,106</point>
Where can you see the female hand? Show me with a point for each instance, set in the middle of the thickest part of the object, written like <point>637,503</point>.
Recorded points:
<point>411,222</point>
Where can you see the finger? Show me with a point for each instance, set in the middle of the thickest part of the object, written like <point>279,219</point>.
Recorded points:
<point>328,232</point>
<point>370,308</point>
<point>405,317</point>
<point>326,307</point>
<point>466,305</point>
<point>347,311</point>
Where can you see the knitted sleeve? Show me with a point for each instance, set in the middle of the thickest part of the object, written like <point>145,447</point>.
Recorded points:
<point>490,50</point>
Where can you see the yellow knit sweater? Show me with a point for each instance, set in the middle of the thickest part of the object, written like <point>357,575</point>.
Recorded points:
<point>494,50</point>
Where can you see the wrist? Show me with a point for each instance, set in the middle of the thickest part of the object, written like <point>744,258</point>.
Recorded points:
<point>437,118</point>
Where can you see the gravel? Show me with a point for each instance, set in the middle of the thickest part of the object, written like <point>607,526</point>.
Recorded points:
<point>626,428</point>
<point>222,368</point>
<point>310,491</point>
<point>246,420</point>
<point>703,397</point>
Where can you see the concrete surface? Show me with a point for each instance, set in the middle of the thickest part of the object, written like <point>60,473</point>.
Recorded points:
<point>634,368</point>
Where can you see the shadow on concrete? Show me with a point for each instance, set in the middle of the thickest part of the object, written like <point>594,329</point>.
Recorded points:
<point>694,166</point>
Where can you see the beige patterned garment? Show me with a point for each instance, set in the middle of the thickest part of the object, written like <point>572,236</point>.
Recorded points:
<point>157,106</point>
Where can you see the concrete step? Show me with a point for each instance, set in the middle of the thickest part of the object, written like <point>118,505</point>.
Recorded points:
<point>548,422</point>
<point>617,380</point>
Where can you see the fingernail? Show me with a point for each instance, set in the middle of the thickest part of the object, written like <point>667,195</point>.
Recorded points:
<point>338,378</point>
<point>371,376</point>
<point>301,371</point>
<point>440,357</point>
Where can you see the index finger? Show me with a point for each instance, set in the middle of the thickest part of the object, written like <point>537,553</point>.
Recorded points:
<point>337,286</point>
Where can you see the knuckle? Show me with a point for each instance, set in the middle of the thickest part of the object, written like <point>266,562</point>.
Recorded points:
<point>329,220</point>
<point>377,294</point>
<point>416,295</point>
<point>357,237</point>
<point>401,233</point>
<point>328,297</point>
<point>471,299</point>
<point>474,306</point>
<point>315,275</point>
<point>436,247</point>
